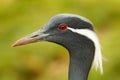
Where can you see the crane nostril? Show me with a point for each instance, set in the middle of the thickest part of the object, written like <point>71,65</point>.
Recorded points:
<point>34,36</point>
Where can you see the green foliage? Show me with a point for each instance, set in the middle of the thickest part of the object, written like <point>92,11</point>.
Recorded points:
<point>49,61</point>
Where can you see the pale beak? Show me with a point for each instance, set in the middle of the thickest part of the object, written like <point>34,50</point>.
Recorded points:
<point>34,37</point>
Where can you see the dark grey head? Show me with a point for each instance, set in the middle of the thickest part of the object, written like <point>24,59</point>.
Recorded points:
<point>64,37</point>
<point>74,32</point>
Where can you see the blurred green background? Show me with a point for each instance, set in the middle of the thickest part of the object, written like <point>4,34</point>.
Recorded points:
<point>49,61</point>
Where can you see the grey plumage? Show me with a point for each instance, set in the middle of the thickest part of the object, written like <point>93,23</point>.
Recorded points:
<point>82,46</point>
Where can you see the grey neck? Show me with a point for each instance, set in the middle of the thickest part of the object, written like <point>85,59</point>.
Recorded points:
<point>81,59</point>
<point>81,51</point>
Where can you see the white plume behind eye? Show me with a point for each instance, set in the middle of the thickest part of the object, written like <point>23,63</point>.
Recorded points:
<point>97,63</point>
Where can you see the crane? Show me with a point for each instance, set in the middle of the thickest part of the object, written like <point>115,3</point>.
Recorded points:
<point>77,35</point>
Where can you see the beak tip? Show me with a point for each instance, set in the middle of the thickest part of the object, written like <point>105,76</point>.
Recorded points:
<point>22,41</point>
<point>13,45</point>
<point>17,43</point>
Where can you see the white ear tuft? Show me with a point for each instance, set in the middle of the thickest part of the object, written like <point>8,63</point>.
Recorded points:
<point>97,63</point>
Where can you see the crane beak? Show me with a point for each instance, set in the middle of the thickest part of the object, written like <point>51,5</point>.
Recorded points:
<point>34,37</point>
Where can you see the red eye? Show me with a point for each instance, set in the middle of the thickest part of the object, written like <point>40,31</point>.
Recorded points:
<point>62,26</point>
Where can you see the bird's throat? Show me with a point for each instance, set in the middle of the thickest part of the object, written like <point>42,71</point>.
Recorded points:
<point>80,62</point>
<point>79,67</point>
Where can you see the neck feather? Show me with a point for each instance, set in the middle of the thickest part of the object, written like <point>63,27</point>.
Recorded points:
<point>81,58</point>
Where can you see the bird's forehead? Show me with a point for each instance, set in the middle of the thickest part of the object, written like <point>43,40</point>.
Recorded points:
<point>62,17</point>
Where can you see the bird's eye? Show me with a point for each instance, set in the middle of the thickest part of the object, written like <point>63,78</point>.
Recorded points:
<point>62,26</point>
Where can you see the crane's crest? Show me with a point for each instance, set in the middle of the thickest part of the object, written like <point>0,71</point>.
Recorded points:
<point>97,63</point>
